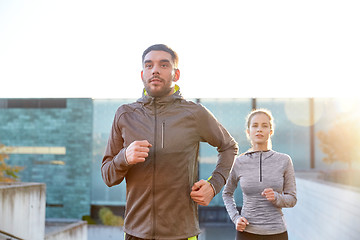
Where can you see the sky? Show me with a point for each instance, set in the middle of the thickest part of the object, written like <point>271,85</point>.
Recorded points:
<point>227,49</point>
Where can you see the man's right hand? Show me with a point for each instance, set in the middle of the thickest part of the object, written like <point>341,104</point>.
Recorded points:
<point>137,151</point>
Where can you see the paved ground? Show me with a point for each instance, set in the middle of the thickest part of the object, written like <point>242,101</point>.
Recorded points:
<point>217,232</point>
<point>209,232</point>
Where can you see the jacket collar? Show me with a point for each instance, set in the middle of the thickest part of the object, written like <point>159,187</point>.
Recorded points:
<point>265,154</point>
<point>149,100</point>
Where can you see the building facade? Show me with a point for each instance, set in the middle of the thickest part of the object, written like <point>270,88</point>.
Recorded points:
<point>52,140</point>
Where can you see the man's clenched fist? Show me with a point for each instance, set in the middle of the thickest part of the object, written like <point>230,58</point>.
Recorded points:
<point>137,151</point>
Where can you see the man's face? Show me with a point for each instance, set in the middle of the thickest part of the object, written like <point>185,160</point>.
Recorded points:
<point>159,74</point>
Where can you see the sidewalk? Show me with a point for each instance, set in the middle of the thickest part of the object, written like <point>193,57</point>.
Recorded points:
<point>208,232</point>
<point>212,231</point>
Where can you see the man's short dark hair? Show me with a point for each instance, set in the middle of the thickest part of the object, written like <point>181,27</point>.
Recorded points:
<point>162,47</point>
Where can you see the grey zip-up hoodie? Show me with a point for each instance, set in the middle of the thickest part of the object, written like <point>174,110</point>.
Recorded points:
<point>256,171</point>
<point>158,202</point>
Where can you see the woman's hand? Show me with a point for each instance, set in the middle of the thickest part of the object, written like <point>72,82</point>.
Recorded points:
<point>269,194</point>
<point>241,224</point>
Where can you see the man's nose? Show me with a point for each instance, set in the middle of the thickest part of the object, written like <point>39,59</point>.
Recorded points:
<point>156,70</point>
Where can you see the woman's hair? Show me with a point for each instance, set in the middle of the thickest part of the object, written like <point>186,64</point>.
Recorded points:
<point>271,121</point>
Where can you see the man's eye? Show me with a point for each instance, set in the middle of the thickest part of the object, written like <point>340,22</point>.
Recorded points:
<point>148,65</point>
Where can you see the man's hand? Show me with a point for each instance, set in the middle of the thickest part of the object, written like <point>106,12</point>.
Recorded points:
<point>241,224</point>
<point>202,192</point>
<point>137,151</point>
<point>269,194</point>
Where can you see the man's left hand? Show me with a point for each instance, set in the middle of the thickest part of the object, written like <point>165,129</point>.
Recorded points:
<point>202,192</point>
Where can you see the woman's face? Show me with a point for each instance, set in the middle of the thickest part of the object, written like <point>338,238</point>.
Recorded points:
<point>259,129</point>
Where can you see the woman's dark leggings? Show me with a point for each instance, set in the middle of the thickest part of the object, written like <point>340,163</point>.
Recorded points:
<point>251,236</point>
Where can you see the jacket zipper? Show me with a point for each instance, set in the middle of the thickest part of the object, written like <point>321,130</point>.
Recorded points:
<point>154,168</point>
<point>163,134</point>
<point>261,166</point>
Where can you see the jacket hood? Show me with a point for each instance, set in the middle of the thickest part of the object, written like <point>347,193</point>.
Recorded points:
<point>149,100</point>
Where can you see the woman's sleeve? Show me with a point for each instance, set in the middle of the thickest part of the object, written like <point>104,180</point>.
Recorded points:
<point>228,194</point>
<point>287,198</point>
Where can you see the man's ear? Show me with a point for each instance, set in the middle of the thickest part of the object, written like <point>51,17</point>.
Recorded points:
<point>177,75</point>
<point>142,75</point>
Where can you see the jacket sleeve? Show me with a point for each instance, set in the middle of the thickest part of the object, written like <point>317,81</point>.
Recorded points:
<point>228,195</point>
<point>114,165</point>
<point>212,132</point>
<point>287,198</point>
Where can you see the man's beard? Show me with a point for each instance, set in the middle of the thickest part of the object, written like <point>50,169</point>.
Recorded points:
<point>161,93</point>
<point>165,91</point>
